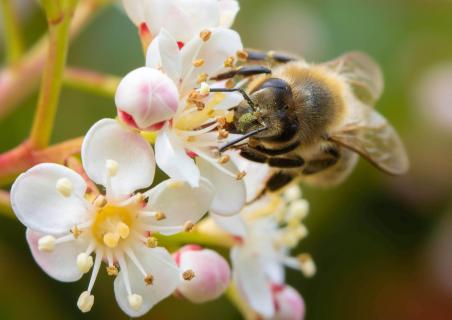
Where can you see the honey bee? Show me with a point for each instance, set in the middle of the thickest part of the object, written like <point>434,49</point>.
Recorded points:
<point>311,121</point>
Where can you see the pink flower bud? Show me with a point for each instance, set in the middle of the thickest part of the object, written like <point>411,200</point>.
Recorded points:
<point>289,305</point>
<point>211,273</point>
<point>146,97</point>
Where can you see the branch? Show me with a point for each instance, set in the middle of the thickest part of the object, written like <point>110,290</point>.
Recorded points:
<point>59,18</point>
<point>91,81</point>
<point>20,80</point>
<point>235,298</point>
<point>23,157</point>
<point>12,32</point>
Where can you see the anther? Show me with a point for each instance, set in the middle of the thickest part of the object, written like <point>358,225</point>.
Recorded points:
<point>100,201</point>
<point>223,134</point>
<point>84,262</point>
<point>149,280</point>
<point>112,167</point>
<point>64,187</point>
<point>298,209</point>
<point>200,105</point>
<point>160,216</point>
<point>224,159</point>
<point>307,265</point>
<point>123,230</point>
<point>229,84</point>
<point>229,62</point>
<point>112,271</point>
<point>240,175</point>
<point>151,242</point>
<point>202,77</point>
<point>229,116</point>
<point>205,35</point>
<point>188,226</point>
<point>76,232</point>
<point>221,122</point>
<point>242,55</point>
<point>111,239</point>
<point>135,301</point>
<point>205,89</point>
<point>85,302</point>
<point>292,193</point>
<point>198,63</point>
<point>46,243</point>
<point>188,275</point>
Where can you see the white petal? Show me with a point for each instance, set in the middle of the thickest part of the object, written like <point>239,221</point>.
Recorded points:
<point>163,53</point>
<point>167,14</point>
<point>108,140</point>
<point>230,193</point>
<point>173,160</point>
<point>274,270</point>
<point>180,202</point>
<point>252,282</point>
<point>232,224</point>
<point>134,9</point>
<point>256,177</point>
<point>203,14</point>
<point>60,263</point>
<point>228,11</point>
<point>222,44</point>
<point>40,206</point>
<point>228,100</point>
<point>156,262</point>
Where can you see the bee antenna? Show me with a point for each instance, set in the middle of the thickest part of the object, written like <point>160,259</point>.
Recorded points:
<point>239,139</point>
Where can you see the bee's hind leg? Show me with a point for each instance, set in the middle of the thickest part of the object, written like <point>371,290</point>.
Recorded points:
<point>279,180</point>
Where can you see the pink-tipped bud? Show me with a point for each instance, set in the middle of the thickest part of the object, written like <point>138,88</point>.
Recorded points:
<point>146,97</point>
<point>289,305</point>
<point>211,273</point>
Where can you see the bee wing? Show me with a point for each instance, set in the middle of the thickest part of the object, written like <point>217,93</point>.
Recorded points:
<point>362,73</point>
<point>377,141</point>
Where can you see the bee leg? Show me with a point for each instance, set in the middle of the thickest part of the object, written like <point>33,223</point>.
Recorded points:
<point>278,180</point>
<point>255,55</point>
<point>315,166</point>
<point>286,162</point>
<point>253,155</point>
<point>246,71</point>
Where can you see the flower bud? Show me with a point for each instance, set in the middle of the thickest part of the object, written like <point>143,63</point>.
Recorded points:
<point>146,97</point>
<point>289,305</point>
<point>211,273</point>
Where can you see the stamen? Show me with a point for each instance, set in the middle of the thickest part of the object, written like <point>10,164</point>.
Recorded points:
<point>149,280</point>
<point>112,271</point>
<point>112,167</point>
<point>46,243</point>
<point>205,35</point>
<point>188,275</point>
<point>135,301</point>
<point>111,239</point>
<point>240,175</point>
<point>188,226</point>
<point>124,273</point>
<point>298,209</point>
<point>85,302</point>
<point>229,84</point>
<point>84,262</point>
<point>160,216</point>
<point>152,242</point>
<point>223,134</point>
<point>307,265</point>
<point>76,232</point>
<point>198,63</point>
<point>123,230</point>
<point>224,159</point>
<point>100,201</point>
<point>202,77</point>
<point>213,161</point>
<point>242,55</point>
<point>204,89</point>
<point>95,272</point>
<point>64,187</point>
<point>229,62</point>
<point>292,193</point>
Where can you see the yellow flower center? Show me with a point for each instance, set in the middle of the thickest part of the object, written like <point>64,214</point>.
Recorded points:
<point>112,224</point>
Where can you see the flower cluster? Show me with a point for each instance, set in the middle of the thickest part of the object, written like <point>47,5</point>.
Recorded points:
<point>107,211</point>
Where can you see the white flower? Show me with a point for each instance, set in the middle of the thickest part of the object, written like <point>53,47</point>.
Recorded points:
<point>183,18</point>
<point>267,230</point>
<point>65,229</point>
<point>194,130</point>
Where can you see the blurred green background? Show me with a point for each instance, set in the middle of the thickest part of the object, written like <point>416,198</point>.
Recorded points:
<point>383,245</point>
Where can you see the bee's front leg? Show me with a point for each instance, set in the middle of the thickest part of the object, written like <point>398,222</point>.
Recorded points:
<point>246,71</point>
<point>256,55</point>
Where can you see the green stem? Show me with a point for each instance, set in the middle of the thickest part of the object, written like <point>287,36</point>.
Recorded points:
<point>19,81</point>
<point>91,81</point>
<point>5,205</point>
<point>201,238</point>
<point>59,16</point>
<point>12,32</point>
